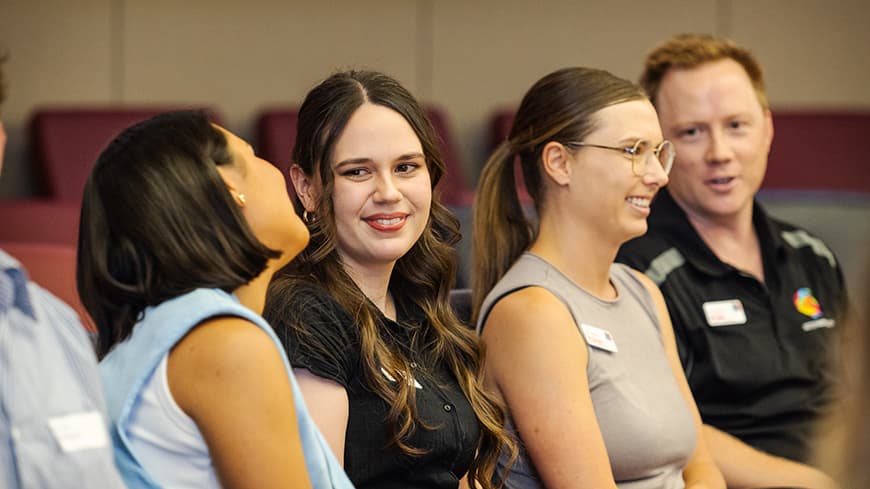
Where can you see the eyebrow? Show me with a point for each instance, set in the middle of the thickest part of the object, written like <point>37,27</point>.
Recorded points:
<point>357,161</point>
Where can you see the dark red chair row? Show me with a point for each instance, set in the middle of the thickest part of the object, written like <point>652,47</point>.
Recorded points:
<point>276,134</point>
<point>65,143</point>
<point>53,267</point>
<point>812,150</point>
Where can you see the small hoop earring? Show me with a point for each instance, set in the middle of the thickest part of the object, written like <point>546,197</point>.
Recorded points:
<point>242,200</point>
<point>308,217</point>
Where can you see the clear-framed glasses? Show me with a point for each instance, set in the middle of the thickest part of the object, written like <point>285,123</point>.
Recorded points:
<point>639,153</point>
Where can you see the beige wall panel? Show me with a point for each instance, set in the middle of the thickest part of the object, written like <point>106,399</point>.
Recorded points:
<point>242,56</point>
<point>815,52</point>
<point>486,54</point>
<point>59,52</point>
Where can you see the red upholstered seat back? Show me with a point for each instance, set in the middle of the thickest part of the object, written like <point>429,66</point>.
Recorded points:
<point>811,150</point>
<point>820,151</point>
<point>39,221</point>
<point>65,143</point>
<point>52,266</point>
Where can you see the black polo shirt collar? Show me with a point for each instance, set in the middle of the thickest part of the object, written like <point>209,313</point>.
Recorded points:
<point>669,219</point>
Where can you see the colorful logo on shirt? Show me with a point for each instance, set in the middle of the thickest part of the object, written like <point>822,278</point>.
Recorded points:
<point>806,304</point>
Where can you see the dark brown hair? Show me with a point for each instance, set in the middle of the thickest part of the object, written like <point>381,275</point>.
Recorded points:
<point>158,221</point>
<point>422,277</point>
<point>559,107</point>
<point>687,51</point>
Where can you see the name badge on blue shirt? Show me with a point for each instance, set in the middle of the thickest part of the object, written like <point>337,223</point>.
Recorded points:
<point>79,431</point>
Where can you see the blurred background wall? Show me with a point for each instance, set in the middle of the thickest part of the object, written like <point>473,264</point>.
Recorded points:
<point>470,57</point>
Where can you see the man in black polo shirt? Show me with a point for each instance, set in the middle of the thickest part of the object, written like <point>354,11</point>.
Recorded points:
<point>755,302</point>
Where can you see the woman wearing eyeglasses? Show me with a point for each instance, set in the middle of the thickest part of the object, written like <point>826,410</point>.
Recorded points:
<point>581,349</point>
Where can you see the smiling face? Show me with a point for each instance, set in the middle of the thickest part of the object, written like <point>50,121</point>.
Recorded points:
<point>609,195</point>
<point>382,191</point>
<point>722,135</point>
<point>266,207</point>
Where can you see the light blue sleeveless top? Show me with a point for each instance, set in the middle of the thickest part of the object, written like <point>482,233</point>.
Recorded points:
<point>126,369</point>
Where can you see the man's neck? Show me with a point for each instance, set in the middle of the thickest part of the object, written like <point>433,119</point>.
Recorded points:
<point>733,239</point>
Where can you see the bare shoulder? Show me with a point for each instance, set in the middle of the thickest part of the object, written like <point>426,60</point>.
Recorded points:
<point>526,307</point>
<point>223,356</point>
<point>529,321</point>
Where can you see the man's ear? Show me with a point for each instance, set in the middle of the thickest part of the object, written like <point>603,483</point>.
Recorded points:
<point>768,123</point>
<point>557,162</point>
<point>307,192</point>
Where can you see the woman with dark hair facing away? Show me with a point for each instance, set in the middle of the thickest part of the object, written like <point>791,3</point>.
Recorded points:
<point>391,375</point>
<point>580,349</point>
<point>182,228</point>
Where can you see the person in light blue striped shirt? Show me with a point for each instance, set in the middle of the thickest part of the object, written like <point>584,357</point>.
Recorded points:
<point>52,413</point>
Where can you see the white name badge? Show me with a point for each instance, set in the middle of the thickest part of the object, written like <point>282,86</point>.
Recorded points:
<point>79,431</point>
<point>599,338</point>
<point>817,324</point>
<point>724,313</point>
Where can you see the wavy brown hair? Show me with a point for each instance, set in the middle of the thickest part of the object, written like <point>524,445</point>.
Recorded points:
<point>423,276</point>
<point>559,107</point>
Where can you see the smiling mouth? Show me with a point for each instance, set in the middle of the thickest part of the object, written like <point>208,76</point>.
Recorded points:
<point>385,223</point>
<point>639,201</point>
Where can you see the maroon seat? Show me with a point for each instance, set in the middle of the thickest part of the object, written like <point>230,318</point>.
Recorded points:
<point>65,143</point>
<point>499,130</point>
<point>811,150</point>
<point>453,186</point>
<point>52,266</point>
<point>819,150</point>
<point>39,221</point>
<point>276,135</point>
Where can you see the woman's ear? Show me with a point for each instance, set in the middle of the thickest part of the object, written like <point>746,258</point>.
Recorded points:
<point>556,160</point>
<point>233,181</point>
<point>305,189</point>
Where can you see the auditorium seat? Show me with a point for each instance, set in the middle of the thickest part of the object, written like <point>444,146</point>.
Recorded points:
<point>499,129</point>
<point>40,221</point>
<point>65,143</point>
<point>275,136</point>
<point>52,266</point>
<point>811,150</point>
<point>819,150</point>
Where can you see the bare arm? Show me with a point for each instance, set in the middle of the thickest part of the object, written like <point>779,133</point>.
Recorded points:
<point>701,471</point>
<point>328,404</point>
<point>536,361</point>
<point>228,376</point>
<point>747,467</point>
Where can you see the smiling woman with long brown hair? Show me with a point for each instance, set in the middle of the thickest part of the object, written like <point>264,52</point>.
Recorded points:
<point>389,372</point>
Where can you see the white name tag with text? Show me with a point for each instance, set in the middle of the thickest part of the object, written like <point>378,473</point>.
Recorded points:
<point>599,338</point>
<point>79,431</point>
<point>724,313</point>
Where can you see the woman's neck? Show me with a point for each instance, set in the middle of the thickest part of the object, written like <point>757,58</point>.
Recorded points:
<point>579,252</point>
<point>253,294</point>
<point>374,282</point>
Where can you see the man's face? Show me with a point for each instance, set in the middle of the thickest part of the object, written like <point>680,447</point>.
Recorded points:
<point>722,136</point>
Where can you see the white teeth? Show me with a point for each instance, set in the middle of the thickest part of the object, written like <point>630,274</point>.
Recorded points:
<point>721,180</point>
<point>638,201</point>
<point>388,222</point>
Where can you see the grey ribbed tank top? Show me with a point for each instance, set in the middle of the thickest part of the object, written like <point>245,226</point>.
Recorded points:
<point>646,423</point>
